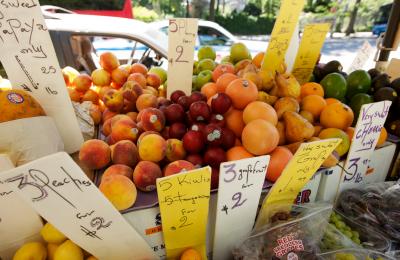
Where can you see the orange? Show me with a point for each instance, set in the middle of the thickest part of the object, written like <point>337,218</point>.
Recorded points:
<point>224,80</point>
<point>337,115</point>
<point>313,104</point>
<point>280,157</point>
<point>260,137</point>
<point>234,121</point>
<point>222,69</point>
<point>258,59</point>
<point>209,89</point>
<point>311,88</point>
<point>331,101</point>
<point>242,92</point>
<point>237,153</point>
<point>259,110</point>
<point>350,132</point>
<point>190,254</point>
<point>382,137</point>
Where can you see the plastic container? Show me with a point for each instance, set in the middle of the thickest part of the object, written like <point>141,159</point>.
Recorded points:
<point>354,254</point>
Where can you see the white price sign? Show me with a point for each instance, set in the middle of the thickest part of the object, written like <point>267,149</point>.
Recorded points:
<point>240,186</point>
<point>61,193</point>
<point>362,57</point>
<point>366,134</point>
<point>28,56</point>
<point>182,33</point>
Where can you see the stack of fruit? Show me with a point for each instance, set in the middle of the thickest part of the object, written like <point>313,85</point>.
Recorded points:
<point>58,247</point>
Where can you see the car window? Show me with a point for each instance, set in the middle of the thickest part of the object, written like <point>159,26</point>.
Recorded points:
<point>210,36</point>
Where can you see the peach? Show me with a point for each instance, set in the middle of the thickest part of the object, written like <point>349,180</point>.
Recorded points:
<point>119,75</point>
<point>107,113</point>
<point>124,152</point>
<point>114,85</point>
<point>66,78</point>
<point>95,154</point>
<point>119,190</point>
<point>103,90</point>
<point>91,95</point>
<point>109,140</point>
<point>138,78</point>
<point>128,106</point>
<point>142,135</point>
<point>95,114</point>
<point>151,90</point>
<point>152,148</point>
<point>145,101</point>
<point>146,174</point>
<point>132,115</point>
<point>82,83</point>
<point>118,169</point>
<point>74,95</point>
<point>101,77</point>
<point>139,68</point>
<point>113,100</point>
<point>117,117</point>
<point>152,119</point>
<point>131,90</point>
<point>109,61</point>
<point>153,80</point>
<point>177,167</point>
<point>124,129</point>
<point>175,150</point>
<point>106,129</point>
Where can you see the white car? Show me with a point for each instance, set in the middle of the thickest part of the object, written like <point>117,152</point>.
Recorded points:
<point>80,39</point>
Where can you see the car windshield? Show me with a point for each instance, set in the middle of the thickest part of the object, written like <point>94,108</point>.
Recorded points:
<point>210,36</point>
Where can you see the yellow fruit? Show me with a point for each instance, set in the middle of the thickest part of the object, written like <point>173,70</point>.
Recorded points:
<point>51,235</point>
<point>31,251</point>
<point>344,146</point>
<point>190,254</point>
<point>68,251</point>
<point>91,258</point>
<point>51,249</point>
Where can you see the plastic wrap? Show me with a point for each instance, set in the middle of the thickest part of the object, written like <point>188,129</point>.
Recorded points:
<point>355,254</point>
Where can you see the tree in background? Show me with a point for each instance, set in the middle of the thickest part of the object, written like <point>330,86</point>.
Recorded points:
<point>353,17</point>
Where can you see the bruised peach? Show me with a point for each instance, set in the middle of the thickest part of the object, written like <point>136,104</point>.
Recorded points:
<point>119,75</point>
<point>119,190</point>
<point>101,77</point>
<point>131,90</point>
<point>124,129</point>
<point>118,169</point>
<point>175,150</point>
<point>152,148</point>
<point>95,114</point>
<point>152,119</point>
<point>124,152</point>
<point>128,106</point>
<point>138,78</point>
<point>145,101</point>
<point>146,174</point>
<point>95,154</point>
<point>113,100</point>
<point>178,167</point>
<point>82,82</point>
<point>109,61</point>
<point>139,68</point>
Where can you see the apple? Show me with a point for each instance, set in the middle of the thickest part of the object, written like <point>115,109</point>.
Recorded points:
<point>185,102</point>
<point>160,72</point>
<point>220,103</point>
<point>202,78</point>
<point>201,127</point>
<point>218,119</point>
<point>193,141</point>
<point>206,64</point>
<point>214,156</point>
<point>174,113</point>
<point>162,101</point>
<point>177,130</point>
<point>213,135</point>
<point>197,96</point>
<point>195,159</point>
<point>228,138</point>
<point>214,178</point>
<point>200,111</point>
<point>176,95</point>
<point>195,64</point>
<point>206,52</point>
<point>239,52</point>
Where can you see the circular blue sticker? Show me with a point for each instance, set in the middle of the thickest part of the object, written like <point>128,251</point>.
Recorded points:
<point>15,98</point>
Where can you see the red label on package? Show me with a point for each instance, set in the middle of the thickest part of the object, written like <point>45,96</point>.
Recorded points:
<point>288,244</point>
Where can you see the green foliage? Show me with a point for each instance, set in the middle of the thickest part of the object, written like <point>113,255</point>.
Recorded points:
<point>144,14</point>
<point>252,9</point>
<point>244,24</point>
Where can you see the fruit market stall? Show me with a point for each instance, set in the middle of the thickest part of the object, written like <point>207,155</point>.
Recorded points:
<point>244,158</point>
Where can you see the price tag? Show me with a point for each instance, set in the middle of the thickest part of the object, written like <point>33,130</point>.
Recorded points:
<point>300,169</point>
<point>182,33</point>
<point>393,69</point>
<point>310,47</point>
<point>366,134</point>
<point>30,61</point>
<point>282,33</point>
<point>240,186</point>
<point>61,193</point>
<point>184,200</point>
<point>362,57</point>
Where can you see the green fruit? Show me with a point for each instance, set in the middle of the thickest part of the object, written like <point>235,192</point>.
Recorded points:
<point>357,101</point>
<point>206,52</point>
<point>195,70</point>
<point>334,85</point>
<point>239,52</point>
<point>359,81</point>
<point>226,59</point>
<point>162,73</point>
<point>203,78</point>
<point>205,64</point>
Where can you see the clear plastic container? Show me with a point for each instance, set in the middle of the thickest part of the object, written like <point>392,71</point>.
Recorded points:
<point>355,254</point>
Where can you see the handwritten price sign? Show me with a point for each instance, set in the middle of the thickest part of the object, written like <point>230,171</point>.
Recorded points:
<point>28,55</point>
<point>310,46</point>
<point>60,192</point>
<point>297,173</point>
<point>362,57</point>
<point>282,33</point>
<point>182,34</point>
<point>184,200</point>
<point>240,186</point>
<point>366,134</point>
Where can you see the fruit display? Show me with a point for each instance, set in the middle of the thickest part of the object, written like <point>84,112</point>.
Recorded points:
<point>355,254</point>
<point>55,246</point>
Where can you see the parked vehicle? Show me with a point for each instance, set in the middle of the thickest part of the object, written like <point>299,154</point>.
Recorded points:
<point>380,24</point>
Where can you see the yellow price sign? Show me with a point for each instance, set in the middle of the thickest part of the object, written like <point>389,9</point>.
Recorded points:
<point>184,200</point>
<point>282,33</point>
<point>310,47</point>
<point>297,173</point>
